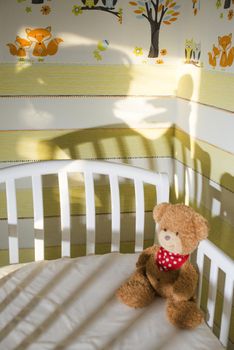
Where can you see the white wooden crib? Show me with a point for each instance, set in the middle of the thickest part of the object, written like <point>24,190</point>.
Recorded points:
<point>109,325</point>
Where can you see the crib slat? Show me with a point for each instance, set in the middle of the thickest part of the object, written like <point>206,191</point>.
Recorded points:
<point>212,293</point>
<point>140,215</point>
<point>38,217</point>
<point>90,213</point>
<point>200,262</point>
<point>65,214</point>
<point>163,189</point>
<point>115,213</point>
<point>12,222</point>
<point>227,309</point>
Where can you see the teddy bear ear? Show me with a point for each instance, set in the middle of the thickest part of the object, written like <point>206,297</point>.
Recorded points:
<point>201,226</point>
<point>159,211</point>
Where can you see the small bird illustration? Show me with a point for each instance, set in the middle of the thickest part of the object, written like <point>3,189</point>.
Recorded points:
<point>110,4</point>
<point>90,3</point>
<point>103,45</point>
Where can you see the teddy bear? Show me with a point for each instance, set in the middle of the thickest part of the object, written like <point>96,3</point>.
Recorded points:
<point>165,270</point>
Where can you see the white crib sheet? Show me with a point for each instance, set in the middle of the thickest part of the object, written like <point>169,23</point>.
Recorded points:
<point>71,304</point>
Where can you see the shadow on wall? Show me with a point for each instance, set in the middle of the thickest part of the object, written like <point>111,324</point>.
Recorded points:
<point>120,143</point>
<point>193,185</point>
<point>223,214</point>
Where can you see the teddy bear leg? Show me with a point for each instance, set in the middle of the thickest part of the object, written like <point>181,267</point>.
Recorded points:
<point>184,314</point>
<point>137,292</point>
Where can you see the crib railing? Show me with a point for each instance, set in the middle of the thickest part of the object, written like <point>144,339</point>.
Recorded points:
<point>114,171</point>
<point>89,169</point>
<point>218,260</point>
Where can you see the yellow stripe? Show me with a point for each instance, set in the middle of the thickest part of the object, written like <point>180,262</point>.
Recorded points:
<point>27,255</point>
<point>208,160</point>
<point>89,143</point>
<point>77,200</point>
<point>201,156</point>
<point>208,87</point>
<point>204,86</point>
<point>55,79</point>
<point>220,232</point>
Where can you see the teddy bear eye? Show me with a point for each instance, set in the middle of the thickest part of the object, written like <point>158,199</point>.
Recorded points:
<point>177,233</point>
<point>165,229</point>
<point>158,279</point>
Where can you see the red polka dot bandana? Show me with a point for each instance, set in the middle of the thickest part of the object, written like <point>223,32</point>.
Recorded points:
<point>168,261</point>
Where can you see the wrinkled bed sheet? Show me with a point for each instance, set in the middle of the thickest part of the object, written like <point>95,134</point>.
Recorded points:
<point>71,304</point>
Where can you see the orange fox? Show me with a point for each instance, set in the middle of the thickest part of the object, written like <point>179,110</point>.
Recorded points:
<point>20,48</point>
<point>212,56</point>
<point>225,43</point>
<point>39,36</point>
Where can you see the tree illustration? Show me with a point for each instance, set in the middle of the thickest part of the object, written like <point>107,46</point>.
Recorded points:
<point>108,6</point>
<point>156,12</point>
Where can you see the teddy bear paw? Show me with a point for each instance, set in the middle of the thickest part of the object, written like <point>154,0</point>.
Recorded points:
<point>184,314</point>
<point>136,292</point>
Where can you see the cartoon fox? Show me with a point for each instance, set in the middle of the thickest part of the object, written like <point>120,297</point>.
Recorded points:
<point>231,56</point>
<point>224,44</point>
<point>213,55</point>
<point>20,46</point>
<point>39,36</point>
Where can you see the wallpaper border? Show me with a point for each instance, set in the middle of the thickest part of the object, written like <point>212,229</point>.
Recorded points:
<point>118,80</point>
<point>120,143</point>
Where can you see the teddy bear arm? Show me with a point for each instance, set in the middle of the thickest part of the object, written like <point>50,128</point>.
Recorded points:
<point>145,255</point>
<point>186,283</point>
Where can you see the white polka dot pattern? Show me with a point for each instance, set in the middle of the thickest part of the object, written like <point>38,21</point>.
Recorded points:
<point>168,261</point>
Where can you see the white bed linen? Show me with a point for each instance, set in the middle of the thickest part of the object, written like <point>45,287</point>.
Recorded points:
<point>71,304</point>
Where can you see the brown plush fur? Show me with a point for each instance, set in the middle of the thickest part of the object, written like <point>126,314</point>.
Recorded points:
<point>185,228</point>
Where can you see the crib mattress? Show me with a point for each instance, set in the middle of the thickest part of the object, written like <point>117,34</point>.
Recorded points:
<point>71,304</point>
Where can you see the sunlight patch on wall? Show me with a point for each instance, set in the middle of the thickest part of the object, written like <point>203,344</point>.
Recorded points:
<point>176,186</point>
<point>35,117</point>
<point>137,113</point>
<point>188,82</point>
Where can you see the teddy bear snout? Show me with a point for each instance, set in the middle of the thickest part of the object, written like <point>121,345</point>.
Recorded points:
<point>167,238</point>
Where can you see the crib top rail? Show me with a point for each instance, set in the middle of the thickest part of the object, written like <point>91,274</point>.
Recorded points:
<point>89,168</point>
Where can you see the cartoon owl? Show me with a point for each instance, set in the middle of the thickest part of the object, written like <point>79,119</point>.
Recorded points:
<point>109,3</point>
<point>197,52</point>
<point>189,46</point>
<point>90,3</point>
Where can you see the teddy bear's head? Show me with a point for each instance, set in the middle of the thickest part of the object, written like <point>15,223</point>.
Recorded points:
<point>180,228</point>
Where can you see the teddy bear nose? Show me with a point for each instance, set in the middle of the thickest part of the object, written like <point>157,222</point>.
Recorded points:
<point>167,238</point>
